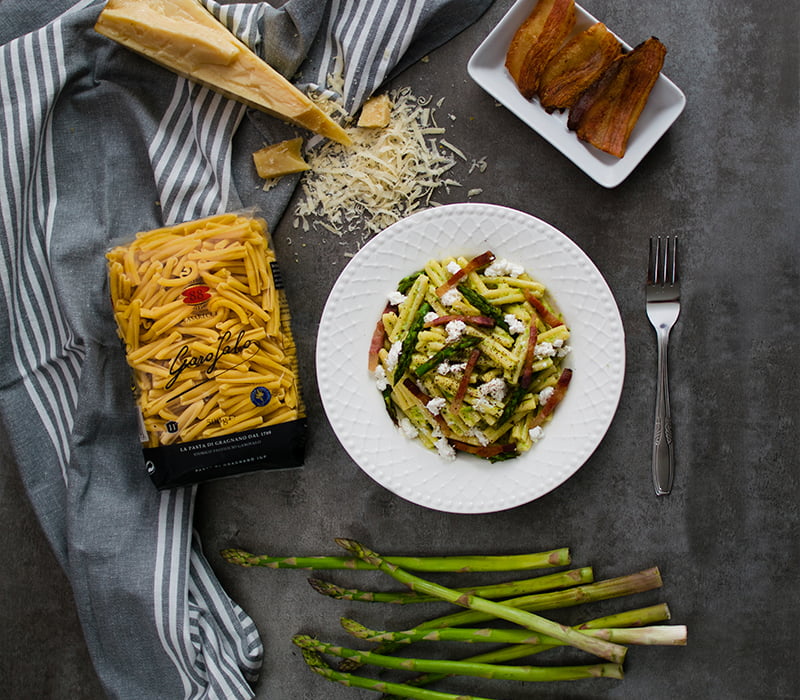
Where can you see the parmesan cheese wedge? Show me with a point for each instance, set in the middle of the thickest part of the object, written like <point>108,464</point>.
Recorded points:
<point>184,37</point>
<point>376,112</point>
<point>280,159</point>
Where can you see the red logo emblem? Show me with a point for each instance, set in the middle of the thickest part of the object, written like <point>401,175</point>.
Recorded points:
<point>196,294</point>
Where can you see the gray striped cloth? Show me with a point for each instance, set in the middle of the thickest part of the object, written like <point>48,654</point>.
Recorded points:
<point>98,143</point>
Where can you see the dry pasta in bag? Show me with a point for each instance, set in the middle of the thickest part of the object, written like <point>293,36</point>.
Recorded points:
<point>202,314</point>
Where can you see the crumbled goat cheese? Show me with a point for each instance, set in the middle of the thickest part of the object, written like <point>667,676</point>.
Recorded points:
<point>450,297</point>
<point>514,324</point>
<point>564,350</point>
<point>455,329</point>
<point>543,350</point>
<point>495,388</point>
<point>436,405</point>
<point>446,368</point>
<point>503,268</point>
<point>479,436</point>
<point>381,381</point>
<point>481,404</point>
<point>445,449</point>
<point>394,355</point>
<point>430,316</point>
<point>396,298</point>
<point>545,394</point>
<point>453,267</point>
<point>407,428</point>
<point>536,433</point>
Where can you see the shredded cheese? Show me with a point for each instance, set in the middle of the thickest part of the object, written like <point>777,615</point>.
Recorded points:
<point>383,177</point>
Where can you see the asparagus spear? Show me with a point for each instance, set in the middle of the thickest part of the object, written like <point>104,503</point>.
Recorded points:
<point>408,281</point>
<point>601,590</point>
<point>628,618</point>
<point>563,579</point>
<point>483,305</point>
<point>668,635</point>
<point>517,393</point>
<point>598,647</point>
<point>514,673</point>
<point>448,351</point>
<point>399,690</point>
<point>467,563</point>
<point>410,342</point>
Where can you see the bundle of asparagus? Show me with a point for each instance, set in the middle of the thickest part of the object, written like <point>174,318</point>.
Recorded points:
<point>516,601</point>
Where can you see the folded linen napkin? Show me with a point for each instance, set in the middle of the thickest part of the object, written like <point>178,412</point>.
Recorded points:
<point>98,142</point>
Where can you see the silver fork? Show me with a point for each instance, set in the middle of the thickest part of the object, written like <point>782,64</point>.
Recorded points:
<point>663,307</point>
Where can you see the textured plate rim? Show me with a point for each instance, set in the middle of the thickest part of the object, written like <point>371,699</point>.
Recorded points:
<point>354,407</point>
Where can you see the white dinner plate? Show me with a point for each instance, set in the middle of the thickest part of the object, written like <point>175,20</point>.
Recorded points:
<point>355,407</point>
<point>487,69</point>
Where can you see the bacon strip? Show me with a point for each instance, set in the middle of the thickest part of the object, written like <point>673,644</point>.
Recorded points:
<point>486,452</point>
<point>464,384</point>
<point>482,321</point>
<point>550,319</point>
<point>477,263</point>
<point>378,339</point>
<point>555,398</point>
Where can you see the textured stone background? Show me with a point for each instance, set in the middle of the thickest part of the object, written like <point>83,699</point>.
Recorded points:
<point>725,178</point>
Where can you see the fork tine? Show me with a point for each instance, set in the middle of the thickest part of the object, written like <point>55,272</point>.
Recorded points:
<point>673,278</point>
<point>651,261</point>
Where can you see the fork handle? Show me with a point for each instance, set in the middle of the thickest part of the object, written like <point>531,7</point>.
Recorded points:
<point>663,457</point>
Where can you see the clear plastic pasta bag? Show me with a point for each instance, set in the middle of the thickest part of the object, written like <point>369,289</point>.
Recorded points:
<point>203,317</point>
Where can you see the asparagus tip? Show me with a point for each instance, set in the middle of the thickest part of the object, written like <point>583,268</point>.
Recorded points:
<point>237,556</point>
<point>359,550</point>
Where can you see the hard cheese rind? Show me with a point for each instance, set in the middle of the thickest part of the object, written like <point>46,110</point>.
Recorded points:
<point>184,37</point>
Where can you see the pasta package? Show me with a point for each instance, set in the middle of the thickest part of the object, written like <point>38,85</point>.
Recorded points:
<point>201,311</point>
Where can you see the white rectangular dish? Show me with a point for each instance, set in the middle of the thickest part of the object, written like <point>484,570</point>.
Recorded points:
<point>487,68</point>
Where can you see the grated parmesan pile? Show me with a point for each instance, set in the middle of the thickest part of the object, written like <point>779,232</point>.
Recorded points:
<point>384,176</point>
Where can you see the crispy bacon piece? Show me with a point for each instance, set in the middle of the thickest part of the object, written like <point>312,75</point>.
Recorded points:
<point>477,263</point>
<point>576,65</point>
<point>464,384</point>
<point>487,452</point>
<point>481,321</point>
<point>424,398</point>
<point>555,398</point>
<point>549,318</point>
<point>378,338</point>
<point>560,23</point>
<point>536,40</point>
<point>526,375</point>
<point>605,114</point>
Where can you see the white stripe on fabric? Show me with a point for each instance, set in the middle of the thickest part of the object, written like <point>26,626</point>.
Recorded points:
<point>217,654</point>
<point>332,53</point>
<point>225,613</point>
<point>396,45</point>
<point>164,579</point>
<point>363,29</point>
<point>192,166</point>
<point>223,178</point>
<point>49,361</point>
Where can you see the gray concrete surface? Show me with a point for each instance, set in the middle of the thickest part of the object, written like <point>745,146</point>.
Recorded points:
<point>725,178</point>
